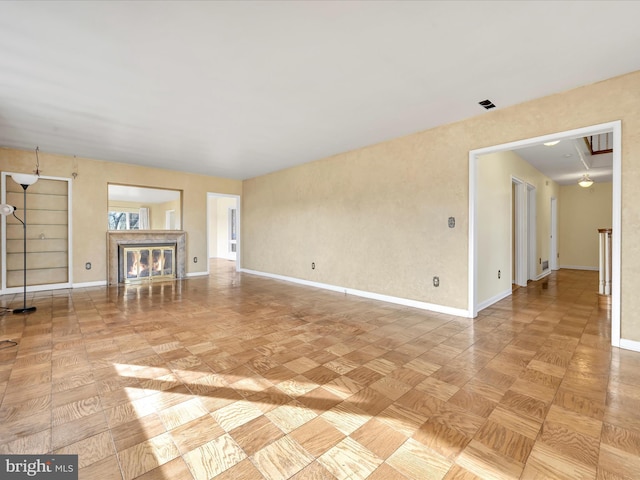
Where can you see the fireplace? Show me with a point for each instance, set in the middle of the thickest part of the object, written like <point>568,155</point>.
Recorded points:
<point>147,262</point>
<point>135,255</point>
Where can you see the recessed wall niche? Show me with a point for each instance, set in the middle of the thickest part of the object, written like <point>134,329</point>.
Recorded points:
<point>143,208</point>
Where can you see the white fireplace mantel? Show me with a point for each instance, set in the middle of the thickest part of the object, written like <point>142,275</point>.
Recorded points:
<point>116,238</point>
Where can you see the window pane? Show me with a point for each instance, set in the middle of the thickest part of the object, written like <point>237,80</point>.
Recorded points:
<point>117,221</point>
<point>133,221</point>
<point>233,224</point>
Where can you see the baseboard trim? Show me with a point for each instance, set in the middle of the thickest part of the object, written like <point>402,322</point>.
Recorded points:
<point>494,299</point>
<point>36,288</point>
<point>546,273</point>
<point>197,274</point>
<point>100,283</point>
<point>630,345</point>
<point>579,267</point>
<point>458,312</point>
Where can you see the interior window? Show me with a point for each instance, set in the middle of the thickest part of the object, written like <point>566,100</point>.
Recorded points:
<point>123,220</point>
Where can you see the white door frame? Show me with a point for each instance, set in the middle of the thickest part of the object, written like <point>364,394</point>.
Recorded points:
<point>532,244</point>
<point>520,231</point>
<point>238,241</point>
<point>616,128</point>
<point>553,248</point>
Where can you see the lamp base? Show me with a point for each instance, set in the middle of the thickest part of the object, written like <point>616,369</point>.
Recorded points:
<point>24,310</point>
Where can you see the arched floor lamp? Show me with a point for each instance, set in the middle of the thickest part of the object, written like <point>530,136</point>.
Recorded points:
<point>24,180</point>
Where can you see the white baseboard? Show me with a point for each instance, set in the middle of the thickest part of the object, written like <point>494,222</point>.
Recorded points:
<point>579,267</point>
<point>197,274</point>
<point>494,299</point>
<point>546,273</point>
<point>630,345</point>
<point>100,283</point>
<point>458,312</point>
<point>36,288</point>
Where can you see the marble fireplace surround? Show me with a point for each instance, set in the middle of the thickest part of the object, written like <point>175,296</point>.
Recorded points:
<point>144,237</point>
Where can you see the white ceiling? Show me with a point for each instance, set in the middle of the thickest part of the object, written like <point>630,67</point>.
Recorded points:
<point>568,160</point>
<point>239,89</point>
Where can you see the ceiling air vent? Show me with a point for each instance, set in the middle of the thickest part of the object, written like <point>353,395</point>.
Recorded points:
<point>487,104</point>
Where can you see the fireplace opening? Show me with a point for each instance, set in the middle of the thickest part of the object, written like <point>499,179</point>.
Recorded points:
<point>147,262</point>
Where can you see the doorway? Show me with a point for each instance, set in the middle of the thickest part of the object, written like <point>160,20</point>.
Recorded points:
<point>223,227</point>
<point>612,127</point>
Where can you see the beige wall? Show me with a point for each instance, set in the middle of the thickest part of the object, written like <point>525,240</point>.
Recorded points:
<point>494,216</point>
<point>375,219</point>
<point>123,206</point>
<point>89,203</point>
<point>581,212</point>
<point>159,214</point>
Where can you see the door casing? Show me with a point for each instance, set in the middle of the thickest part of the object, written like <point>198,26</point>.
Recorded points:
<point>614,127</point>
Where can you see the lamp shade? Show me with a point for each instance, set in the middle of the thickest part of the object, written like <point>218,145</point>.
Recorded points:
<point>24,178</point>
<point>6,209</point>
<point>585,181</point>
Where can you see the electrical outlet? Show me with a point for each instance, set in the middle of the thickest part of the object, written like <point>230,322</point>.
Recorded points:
<point>499,274</point>
<point>195,259</point>
<point>313,265</point>
<point>87,265</point>
<point>436,281</point>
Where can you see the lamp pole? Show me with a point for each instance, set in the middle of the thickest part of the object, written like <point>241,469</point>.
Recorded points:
<point>24,181</point>
<point>24,308</point>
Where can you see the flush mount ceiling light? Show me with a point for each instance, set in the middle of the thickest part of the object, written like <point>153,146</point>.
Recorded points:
<point>551,144</point>
<point>585,181</point>
<point>487,104</point>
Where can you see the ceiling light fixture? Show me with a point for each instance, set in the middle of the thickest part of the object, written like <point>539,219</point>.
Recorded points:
<point>585,181</point>
<point>551,144</point>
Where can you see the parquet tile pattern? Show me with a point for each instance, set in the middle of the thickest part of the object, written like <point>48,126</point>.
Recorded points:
<point>239,377</point>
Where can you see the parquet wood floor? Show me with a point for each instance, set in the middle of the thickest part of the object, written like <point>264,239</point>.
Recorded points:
<point>239,377</point>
